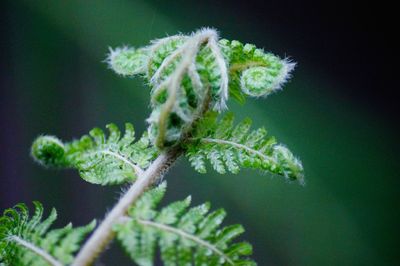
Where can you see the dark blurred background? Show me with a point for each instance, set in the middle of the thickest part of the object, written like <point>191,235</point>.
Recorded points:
<point>338,114</point>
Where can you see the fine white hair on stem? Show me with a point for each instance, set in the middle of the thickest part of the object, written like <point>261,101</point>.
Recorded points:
<point>159,42</point>
<point>188,51</point>
<point>187,65</point>
<point>167,61</point>
<point>98,241</point>
<point>204,35</point>
<point>221,105</point>
<point>195,79</point>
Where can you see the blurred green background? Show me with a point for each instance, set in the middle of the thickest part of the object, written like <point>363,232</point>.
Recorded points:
<point>331,114</point>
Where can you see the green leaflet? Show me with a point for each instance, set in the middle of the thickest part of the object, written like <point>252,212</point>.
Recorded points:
<point>20,235</point>
<point>99,159</point>
<point>185,236</point>
<point>252,71</point>
<point>128,61</point>
<point>229,147</point>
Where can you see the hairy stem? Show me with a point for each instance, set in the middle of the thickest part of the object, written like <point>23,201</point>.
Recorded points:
<point>46,256</point>
<point>104,233</point>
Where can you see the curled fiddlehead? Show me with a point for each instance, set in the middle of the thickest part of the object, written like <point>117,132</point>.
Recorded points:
<point>252,71</point>
<point>187,75</point>
<point>191,74</point>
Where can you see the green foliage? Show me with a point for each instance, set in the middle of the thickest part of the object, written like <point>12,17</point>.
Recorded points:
<point>21,236</point>
<point>185,236</point>
<point>188,73</point>
<point>230,147</point>
<point>98,158</point>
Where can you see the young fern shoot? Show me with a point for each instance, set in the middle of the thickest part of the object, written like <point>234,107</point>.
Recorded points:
<point>191,78</point>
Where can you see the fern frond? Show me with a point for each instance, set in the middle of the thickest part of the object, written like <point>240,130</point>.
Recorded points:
<point>98,158</point>
<point>27,240</point>
<point>230,147</point>
<point>252,71</point>
<point>185,236</point>
<point>189,73</point>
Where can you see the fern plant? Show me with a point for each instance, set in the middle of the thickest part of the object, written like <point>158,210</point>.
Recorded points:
<point>190,78</point>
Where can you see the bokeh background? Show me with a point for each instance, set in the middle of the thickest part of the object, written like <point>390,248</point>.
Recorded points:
<point>338,114</point>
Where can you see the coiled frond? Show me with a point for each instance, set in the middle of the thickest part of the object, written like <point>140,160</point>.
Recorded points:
<point>181,92</point>
<point>184,236</point>
<point>98,158</point>
<point>187,75</point>
<point>252,71</point>
<point>26,240</point>
<point>230,147</point>
<point>190,73</point>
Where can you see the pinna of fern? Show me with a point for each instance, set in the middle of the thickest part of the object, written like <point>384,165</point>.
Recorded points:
<point>26,240</point>
<point>184,236</point>
<point>230,147</point>
<point>99,159</point>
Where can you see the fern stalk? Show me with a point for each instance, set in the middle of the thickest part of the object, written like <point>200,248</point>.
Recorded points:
<point>104,233</point>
